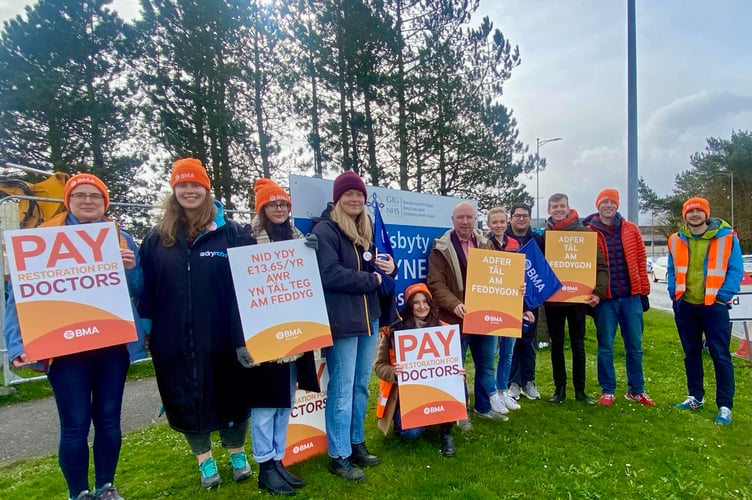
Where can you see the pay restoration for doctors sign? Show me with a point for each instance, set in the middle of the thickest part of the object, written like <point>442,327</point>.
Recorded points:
<point>70,289</point>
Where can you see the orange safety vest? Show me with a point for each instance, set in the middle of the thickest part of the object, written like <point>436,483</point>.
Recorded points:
<point>717,259</point>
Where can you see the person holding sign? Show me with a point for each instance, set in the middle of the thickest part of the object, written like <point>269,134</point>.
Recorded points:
<point>88,386</point>
<point>271,416</point>
<point>626,299</point>
<point>419,312</point>
<point>351,273</point>
<point>447,277</point>
<point>705,268</point>
<point>502,401</point>
<point>522,372</point>
<point>196,338</point>
<point>563,218</point>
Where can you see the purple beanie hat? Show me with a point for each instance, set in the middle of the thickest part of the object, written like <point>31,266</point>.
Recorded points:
<point>346,181</point>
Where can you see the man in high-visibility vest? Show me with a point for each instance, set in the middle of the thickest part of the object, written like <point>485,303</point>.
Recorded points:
<point>704,270</point>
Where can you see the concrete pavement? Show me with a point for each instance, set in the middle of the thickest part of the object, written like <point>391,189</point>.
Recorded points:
<point>31,429</point>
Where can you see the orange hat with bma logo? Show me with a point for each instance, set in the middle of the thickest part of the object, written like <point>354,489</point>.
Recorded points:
<point>189,170</point>
<point>696,202</point>
<point>416,288</point>
<point>90,179</point>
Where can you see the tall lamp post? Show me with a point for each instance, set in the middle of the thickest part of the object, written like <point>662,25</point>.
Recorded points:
<point>538,144</point>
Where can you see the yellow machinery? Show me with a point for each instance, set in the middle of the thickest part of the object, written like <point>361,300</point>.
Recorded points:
<point>32,212</point>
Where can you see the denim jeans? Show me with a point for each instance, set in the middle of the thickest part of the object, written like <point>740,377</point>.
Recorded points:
<point>349,361</point>
<point>691,321</point>
<point>405,433</point>
<point>269,427</point>
<point>88,387</point>
<point>626,313</point>
<point>482,349</point>
<point>506,350</point>
<point>232,437</point>
<point>525,353</point>
<point>556,317</point>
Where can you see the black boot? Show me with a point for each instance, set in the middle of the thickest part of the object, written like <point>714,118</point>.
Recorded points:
<point>361,456</point>
<point>344,468</point>
<point>288,476</point>
<point>559,395</point>
<point>583,398</point>
<point>270,480</point>
<point>447,443</point>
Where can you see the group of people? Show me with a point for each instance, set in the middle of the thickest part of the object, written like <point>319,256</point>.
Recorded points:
<point>186,307</point>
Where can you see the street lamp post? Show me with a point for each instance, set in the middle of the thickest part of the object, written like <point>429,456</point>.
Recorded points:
<point>538,144</point>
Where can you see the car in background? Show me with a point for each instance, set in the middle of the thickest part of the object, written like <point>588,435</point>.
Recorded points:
<point>659,270</point>
<point>747,262</point>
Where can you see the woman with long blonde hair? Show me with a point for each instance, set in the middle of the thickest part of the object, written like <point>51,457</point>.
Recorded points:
<point>351,274</point>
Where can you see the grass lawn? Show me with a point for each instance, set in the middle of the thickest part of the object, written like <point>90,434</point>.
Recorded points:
<point>543,451</point>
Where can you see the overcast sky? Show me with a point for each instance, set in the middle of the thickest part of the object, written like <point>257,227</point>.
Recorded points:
<point>694,80</point>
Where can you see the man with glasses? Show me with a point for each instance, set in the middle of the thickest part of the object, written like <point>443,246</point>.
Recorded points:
<point>522,374</point>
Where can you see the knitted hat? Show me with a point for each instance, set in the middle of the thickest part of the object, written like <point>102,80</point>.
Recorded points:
<point>345,181</point>
<point>415,288</point>
<point>607,194</point>
<point>268,191</point>
<point>79,179</point>
<point>189,170</point>
<point>696,202</point>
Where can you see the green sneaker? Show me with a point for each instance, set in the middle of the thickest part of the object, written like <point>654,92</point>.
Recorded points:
<point>724,416</point>
<point>209,473</point>
<point>241,469</point>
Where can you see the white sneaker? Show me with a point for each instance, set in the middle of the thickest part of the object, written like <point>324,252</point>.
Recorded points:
<point>530,391</point>
<point>497,404</point>
<point>510,402</point>
<point>514,391</point>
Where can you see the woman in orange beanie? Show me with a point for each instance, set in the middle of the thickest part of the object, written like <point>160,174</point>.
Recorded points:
<point>88,385</point>
<point>419,312</point>
<point>196,339</point>
<point>270,418</point>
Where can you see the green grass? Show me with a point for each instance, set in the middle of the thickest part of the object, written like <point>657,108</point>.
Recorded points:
<point>543,451</point>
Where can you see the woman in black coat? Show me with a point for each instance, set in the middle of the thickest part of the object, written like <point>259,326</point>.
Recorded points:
<point>196,339</point>
<point>269,418</point>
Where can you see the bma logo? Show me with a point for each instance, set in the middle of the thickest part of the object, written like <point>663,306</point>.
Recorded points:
<point>80,332</point>
<point>493,319</point>
<point>185,175</point>
<point>287,334</point>
<point>302,447</point>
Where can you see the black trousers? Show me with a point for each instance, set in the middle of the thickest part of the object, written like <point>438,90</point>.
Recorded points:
<point>574,316</point>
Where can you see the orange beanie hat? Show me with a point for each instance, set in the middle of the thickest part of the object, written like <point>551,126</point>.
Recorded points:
<point>79,179</point>
<point>696,202</point>
<point>415,288</point>
<point>189,170</point>
<point>268,191</point>
<point>607,194</point>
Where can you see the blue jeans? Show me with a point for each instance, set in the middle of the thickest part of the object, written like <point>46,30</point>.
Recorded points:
<point>349,361</point>
<point>691,320</point>
<point>405,433</point>
<point>506,350</point>
<point>482,349</point>
<point>88,387</point>
<point>625,312</point>
<point>525,353</point>
<point>269,427</point>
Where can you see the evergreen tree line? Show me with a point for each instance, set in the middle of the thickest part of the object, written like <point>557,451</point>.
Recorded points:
<point>710,177</point>
<point>407,93</point>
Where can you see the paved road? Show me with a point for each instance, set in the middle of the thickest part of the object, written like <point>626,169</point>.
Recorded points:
<point>659,300</point>
<point>31,429</point>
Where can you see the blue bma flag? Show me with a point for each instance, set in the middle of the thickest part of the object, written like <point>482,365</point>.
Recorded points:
<point>540,279</point>
<point>380,236</point>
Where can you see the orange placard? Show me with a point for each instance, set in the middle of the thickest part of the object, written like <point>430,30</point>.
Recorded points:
<point>306,432</point>
<point>493,293</point>
<point>431,387</point>
<point>70,289</point>
<point>573,257</point>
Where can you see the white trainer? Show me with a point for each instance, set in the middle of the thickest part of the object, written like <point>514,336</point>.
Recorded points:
<point>497,404</point>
